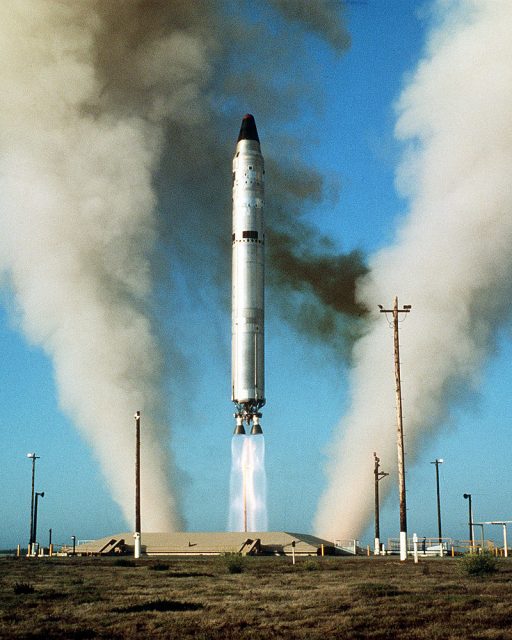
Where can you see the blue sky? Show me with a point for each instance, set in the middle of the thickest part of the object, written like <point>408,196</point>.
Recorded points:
<point>349,139</point>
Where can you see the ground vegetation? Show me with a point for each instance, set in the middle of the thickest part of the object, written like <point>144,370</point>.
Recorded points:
<point>201,598</point>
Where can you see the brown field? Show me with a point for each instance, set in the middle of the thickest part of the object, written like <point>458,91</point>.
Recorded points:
<point>198,598</point>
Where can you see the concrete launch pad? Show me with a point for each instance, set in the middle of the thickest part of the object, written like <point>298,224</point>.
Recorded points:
<point>212,543</point>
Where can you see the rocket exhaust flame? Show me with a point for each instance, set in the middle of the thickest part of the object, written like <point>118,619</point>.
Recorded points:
<point>248,484</point>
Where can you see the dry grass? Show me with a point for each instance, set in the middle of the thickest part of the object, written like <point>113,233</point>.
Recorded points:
<point>378,598</point>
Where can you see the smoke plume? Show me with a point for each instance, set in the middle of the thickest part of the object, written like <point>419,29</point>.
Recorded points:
<point>452,257</point>
<point>323,18</point>
<point>319,290</point>
<point>117,125</point>
<point>77,155</point>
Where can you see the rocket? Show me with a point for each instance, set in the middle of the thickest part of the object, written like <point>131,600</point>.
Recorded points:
<point>248,274</point>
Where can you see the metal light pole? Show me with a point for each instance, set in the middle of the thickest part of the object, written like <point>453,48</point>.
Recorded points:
<point>437,462</point>
<point>137,536</point>
<point>38,494</point>
<point>481,524</point>
<point>33,457</point>
<point>400,428</point>
<point>378,477</point>
<point>73,538</point>
<point>467,496</point>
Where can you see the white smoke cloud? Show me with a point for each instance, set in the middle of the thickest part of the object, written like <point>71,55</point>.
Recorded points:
<point>78,228</point>
<point>452,257</point>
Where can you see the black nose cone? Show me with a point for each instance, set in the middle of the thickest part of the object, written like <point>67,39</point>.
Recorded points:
<point>248,129</point>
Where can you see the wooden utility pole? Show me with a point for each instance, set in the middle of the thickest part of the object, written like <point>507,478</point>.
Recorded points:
<point>31,541</point>
<point>437,462</point>
<point>400,428</point>
<point>378,477</point>
<point>137,486</point>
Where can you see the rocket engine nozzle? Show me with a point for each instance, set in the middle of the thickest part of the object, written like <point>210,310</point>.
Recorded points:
<point>256,426</point>
<point>249,419</point>
<point>239,427</point>
<point>256,430</point>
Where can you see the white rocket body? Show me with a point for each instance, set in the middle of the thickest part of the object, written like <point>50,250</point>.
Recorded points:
<point>248,237</point>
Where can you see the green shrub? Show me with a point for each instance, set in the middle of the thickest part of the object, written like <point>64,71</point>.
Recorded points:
<point>234,562</point>
<point>479,565</point>
<point>311,565</point>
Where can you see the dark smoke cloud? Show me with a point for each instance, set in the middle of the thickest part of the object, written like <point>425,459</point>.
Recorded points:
<point>323,17</point>
<point>228,74</point>
<point>319,291</point>
<point>319,284</point>
<point>332,278</point>
<point>154,58</point>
